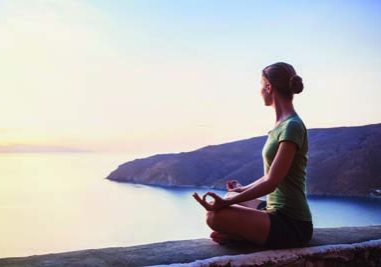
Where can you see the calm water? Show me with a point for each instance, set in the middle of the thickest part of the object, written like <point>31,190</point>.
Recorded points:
<point>54,202</point>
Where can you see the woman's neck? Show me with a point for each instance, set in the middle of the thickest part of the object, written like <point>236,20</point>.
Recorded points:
<point>283,109</point>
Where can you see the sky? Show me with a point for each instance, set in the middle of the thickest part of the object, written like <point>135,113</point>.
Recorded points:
<point>160,76</point>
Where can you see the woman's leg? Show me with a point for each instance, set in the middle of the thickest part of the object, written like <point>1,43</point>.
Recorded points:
<point>223,238</point>
<point>242,222</point>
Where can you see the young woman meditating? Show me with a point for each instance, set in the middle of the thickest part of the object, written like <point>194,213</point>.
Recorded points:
<point>286,220</point>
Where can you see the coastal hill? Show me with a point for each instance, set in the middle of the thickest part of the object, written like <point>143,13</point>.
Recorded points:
<point>343,161</point>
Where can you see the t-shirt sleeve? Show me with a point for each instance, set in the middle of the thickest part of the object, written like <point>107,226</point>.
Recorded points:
<point>293,132</point>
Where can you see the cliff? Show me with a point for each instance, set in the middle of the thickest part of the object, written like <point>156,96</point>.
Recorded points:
<point>338,157</point>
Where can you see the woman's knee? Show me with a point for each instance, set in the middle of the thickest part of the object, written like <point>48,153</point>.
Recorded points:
<point>212,219</point>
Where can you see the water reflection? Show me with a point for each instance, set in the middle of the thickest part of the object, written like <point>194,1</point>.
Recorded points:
<point>61,202</point>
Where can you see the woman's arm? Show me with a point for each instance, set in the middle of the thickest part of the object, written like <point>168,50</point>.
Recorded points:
<point>268,183</point>
<point>246,187</point>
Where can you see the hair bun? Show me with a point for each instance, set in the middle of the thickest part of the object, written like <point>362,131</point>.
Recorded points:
<point>296,84</point>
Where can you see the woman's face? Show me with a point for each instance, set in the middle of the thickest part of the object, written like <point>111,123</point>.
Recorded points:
<point>266,91</point>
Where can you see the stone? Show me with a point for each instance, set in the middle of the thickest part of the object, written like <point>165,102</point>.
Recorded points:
<point>187,251</point>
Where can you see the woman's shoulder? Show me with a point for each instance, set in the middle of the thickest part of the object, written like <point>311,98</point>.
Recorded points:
<point>293,130</point>
<point>296,121</point>
<point>292,123</point>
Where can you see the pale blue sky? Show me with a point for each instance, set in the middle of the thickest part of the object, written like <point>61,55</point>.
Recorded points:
<point>167,76</point>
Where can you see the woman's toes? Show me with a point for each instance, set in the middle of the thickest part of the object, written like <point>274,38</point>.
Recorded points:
<point>214,234</point>
<point>220,237</point>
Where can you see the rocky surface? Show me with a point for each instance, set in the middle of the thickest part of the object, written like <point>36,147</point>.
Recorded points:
<point>344,161</point>
<point>359,254</point>
<point>347,240</point>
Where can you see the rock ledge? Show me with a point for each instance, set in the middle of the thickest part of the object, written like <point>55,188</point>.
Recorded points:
<point>344,246</point>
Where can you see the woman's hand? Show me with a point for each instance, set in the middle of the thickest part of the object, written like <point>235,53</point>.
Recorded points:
<point>217,204</point>
<point>234,186</point>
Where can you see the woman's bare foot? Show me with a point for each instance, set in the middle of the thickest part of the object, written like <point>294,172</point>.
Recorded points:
<point>222,238</point>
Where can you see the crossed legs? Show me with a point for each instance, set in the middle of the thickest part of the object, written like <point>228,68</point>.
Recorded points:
<point>239,222</point>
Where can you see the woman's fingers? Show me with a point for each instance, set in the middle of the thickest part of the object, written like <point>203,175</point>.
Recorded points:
<point>231,184</point>
<point>209,205</point>
<point>212,194</point>
<point>196,196</point>
<point>217,199</point>
<point>201,201</point>
<point>204,196</point>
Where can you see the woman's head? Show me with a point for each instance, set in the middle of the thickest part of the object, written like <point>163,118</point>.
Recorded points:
<point>281,77</point>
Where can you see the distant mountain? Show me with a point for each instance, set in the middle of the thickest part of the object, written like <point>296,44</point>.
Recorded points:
<point>344,161</point>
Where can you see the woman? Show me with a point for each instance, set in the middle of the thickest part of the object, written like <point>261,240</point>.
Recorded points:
<point>286,220</point>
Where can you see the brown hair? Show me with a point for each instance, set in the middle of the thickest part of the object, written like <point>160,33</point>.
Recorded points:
<point>283,77</point>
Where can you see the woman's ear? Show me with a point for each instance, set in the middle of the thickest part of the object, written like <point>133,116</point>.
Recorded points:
<point>269,88</point>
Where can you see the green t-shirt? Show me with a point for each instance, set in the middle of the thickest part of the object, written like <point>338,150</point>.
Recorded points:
<point>290,195</point>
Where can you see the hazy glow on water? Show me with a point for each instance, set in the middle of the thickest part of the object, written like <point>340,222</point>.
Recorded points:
<point>61,202</point>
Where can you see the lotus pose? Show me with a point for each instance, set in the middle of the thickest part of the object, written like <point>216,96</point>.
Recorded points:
<point>284,219</point>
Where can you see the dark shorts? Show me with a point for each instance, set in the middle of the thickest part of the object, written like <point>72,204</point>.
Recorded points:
<point>287,232</point>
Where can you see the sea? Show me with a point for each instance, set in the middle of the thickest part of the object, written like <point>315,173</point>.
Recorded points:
<point>59,202</point>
